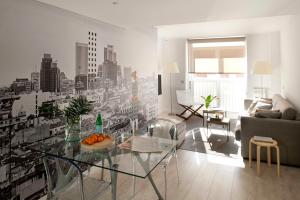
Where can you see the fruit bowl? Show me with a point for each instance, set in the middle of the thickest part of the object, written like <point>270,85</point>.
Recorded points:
<point>97,141</point>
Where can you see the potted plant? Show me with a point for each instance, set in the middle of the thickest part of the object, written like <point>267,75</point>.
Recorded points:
<point>77,107</point>
<point>208,100</point>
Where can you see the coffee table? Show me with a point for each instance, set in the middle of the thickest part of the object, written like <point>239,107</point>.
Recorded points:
<point>225,122</point>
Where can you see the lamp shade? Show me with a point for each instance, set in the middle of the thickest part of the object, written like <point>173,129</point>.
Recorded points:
<point>262,68</point>
<point>172,68</point>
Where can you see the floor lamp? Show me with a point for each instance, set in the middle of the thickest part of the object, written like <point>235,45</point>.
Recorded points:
<point>171,68</point>
<point>262,68</point>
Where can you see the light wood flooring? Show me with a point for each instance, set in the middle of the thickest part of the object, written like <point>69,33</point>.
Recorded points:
<point>210,177</point>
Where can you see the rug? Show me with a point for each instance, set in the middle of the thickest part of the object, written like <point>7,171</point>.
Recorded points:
<point>211,141</point>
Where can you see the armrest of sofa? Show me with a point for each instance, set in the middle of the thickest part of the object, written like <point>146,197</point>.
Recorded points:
<point>286,132</point>
<point>247,103</point>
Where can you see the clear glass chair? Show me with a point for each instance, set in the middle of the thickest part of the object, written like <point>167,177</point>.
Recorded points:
<point>65,180</point>
<point>164,128</point>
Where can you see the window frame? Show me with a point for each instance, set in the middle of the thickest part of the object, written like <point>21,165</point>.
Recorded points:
<point>191,59</point>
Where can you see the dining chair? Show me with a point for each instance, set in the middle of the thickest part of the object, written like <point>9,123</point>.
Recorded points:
<point>65,180</point>
<point>164,128</point>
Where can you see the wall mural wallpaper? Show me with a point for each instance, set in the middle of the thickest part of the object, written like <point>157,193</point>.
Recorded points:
<point>28,98</point>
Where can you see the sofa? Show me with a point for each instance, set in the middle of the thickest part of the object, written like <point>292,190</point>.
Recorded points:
<point>286,130</point>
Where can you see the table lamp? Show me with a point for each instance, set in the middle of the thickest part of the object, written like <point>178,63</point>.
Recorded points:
<point>262,68</point>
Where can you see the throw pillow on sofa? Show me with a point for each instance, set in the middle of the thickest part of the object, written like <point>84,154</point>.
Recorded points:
<point>272,114</point>
<point>262,105</point>
<point>259,103</point>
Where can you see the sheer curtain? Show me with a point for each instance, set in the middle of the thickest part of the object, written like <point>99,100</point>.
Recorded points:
<point>218,67</point>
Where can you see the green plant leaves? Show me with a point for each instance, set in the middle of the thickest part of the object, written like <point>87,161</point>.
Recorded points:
<point>77,107</point>
<point>208,100</point>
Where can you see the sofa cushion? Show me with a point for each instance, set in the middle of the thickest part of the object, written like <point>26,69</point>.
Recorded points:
<point>259,103</point>
<point>263,106</point>
<point>298,117</point>
<point>273,114</point>
<point>285,107</point>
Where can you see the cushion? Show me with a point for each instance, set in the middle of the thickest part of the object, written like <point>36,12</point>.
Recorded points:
<point>263,105</point>
<point>252,106</point>
<point>298,117</point>
<point>259,103</point>
<point>273,114</point>
<point>288,111</point>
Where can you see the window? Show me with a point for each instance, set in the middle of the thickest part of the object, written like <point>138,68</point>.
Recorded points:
<point>217,56</point>
<point>218,66</point>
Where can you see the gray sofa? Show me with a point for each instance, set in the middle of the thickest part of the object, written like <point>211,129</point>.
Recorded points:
<point>285,130</point>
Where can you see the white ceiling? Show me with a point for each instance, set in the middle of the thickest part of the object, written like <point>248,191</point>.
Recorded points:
<point>146,13</point>
<point>224,28</point>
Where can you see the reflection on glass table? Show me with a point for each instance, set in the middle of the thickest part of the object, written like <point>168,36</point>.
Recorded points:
<point>116,159</point>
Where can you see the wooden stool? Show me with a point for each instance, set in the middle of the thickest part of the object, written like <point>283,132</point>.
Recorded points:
<point>268,145</point>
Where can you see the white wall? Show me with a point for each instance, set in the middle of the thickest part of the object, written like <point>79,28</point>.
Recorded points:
<point>264,47</point>
<point>172,50</point>
<point>290,42</point>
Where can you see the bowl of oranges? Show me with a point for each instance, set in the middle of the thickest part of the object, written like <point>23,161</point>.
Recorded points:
<point>97,141</point>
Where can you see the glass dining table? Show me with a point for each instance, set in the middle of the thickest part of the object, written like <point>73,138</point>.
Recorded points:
<point>115,159</point>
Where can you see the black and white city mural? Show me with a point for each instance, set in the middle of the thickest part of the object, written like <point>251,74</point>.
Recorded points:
<point>49,74</point>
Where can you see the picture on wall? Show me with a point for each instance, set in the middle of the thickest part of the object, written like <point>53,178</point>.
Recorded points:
<point>34,89</point>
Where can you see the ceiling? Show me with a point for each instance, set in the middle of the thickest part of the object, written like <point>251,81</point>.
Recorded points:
<point>147,13</point>
<point>224,27</point>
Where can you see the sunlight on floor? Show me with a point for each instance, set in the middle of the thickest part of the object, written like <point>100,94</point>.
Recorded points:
<point>222,160</point>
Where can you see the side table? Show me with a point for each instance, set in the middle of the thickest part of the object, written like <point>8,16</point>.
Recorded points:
<point>268,145</point>
<point>223,122</point>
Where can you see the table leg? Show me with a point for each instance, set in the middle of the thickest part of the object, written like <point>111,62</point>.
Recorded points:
<point>154,187</point>
<point>139,159</point>
<point>114,179</point>
<point>258,160</point>
<point>269,156</point>
<point>228,131</point>
<point>102,170</point>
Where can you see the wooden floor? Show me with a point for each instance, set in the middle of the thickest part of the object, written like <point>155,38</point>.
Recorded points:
<point>204,176</point>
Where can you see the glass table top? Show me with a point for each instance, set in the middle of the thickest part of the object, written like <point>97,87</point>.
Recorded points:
<point>116,158</point>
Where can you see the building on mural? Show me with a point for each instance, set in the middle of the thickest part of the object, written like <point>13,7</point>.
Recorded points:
<point>92,59</point>
<point>49,75</point>
<point>81,81</point>
<point>35,81</point>
<point>21,85</point>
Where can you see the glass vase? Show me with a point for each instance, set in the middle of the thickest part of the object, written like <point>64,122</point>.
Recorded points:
<point>72,132</point>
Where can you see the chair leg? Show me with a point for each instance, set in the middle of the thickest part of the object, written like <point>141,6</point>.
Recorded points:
<point>176,160</point>
<point>165,175</point>
<point>250,153</point>
<point>102,170</point>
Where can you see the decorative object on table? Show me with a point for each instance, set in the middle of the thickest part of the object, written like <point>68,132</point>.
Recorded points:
<point>262,68</point>
<point>219,115</point>
<point>185,98</point>
<point>99,124</point>
<point>97,141</point>
<point>264,142</point>
<point>77,107</point>
<point>208,100</point>
<point>171,68</point>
